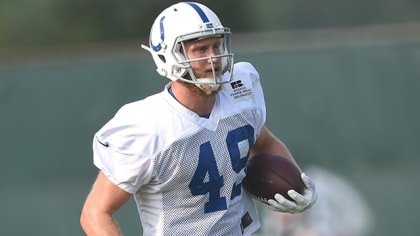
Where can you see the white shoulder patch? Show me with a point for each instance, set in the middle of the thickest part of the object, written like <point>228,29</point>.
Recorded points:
<point>241,87</point>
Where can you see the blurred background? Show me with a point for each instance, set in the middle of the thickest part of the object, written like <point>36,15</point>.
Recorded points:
<point>341,79</point>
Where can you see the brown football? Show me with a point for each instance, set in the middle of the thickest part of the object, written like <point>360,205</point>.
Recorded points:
<point>268,174</point>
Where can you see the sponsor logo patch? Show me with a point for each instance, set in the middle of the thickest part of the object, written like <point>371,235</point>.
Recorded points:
<point>240,90</point>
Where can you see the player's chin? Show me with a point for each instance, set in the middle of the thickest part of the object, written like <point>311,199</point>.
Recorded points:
<point>211,89</point>
<point>207,90</point>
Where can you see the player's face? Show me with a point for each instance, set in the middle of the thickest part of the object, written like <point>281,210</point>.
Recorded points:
<point>205,48</point>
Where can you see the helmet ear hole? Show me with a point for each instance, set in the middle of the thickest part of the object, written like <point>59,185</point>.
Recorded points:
<point>162,58</point>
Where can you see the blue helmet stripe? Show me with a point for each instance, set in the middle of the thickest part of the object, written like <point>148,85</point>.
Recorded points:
<point>199,11</point>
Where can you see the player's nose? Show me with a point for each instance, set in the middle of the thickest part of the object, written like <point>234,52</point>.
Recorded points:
<point>213,56</point>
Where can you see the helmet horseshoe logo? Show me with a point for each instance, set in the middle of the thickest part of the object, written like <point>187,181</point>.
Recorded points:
<point>157,48</point>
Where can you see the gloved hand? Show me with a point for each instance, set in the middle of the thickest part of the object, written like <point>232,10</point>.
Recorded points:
<point>300,203</point>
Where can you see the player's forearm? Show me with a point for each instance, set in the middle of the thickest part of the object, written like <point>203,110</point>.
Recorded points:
<point>95,224</point>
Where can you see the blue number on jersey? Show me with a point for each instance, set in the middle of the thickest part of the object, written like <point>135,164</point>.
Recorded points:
<point>207,164</point>
<point>238,163</point>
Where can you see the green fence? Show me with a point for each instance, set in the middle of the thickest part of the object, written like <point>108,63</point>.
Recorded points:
<point>351,110</point>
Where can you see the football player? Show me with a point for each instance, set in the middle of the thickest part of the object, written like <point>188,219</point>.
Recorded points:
<point>182,152</point>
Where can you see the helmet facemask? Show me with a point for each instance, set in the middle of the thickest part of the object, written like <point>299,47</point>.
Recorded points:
<point>184,62</point>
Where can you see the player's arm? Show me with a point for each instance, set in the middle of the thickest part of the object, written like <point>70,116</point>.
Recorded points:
<point>268,143</point>
<point>97,214</point>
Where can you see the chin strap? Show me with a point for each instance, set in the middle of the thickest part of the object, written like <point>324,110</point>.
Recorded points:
<point>209,83</point>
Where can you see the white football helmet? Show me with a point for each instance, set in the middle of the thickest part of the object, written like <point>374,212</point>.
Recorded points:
<point>182,22</point>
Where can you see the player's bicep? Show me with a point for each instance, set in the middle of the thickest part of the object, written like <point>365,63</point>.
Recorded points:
<point>105,196</point>
<point>266,142</point>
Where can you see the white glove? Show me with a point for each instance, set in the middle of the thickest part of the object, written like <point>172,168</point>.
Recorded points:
<point>300,203</point>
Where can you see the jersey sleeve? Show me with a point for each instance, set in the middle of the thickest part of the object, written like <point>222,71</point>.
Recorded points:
<point>259,96</point>
<point>116,151</point>
<point>248,76</point>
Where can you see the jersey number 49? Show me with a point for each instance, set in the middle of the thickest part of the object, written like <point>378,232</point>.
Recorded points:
<point>207,166</point>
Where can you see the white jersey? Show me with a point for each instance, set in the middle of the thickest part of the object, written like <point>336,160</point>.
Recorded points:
<point>185,171</point>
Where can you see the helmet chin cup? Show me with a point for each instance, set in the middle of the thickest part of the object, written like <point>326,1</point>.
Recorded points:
<point>205,83</point>
<point>182,22</point>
